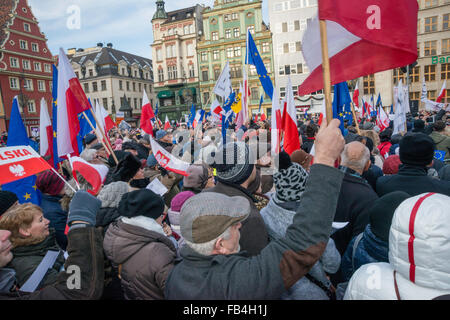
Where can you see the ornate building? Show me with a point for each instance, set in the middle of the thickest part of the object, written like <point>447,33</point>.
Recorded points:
<point>175,36</point>
<point>25,64</point>
<point>224,39</point>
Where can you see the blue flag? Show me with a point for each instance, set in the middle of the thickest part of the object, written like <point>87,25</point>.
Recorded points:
<point>85,127</point>
<point>374,111</point>
<point>25,189</point>
<point>191,116</point>
<point>392,109</point>
<point>156,109</point>
<point>341,99</point>
<point>439,155</point>
<point>56,159</point>
<point>254,58</point>
<point>229,101</point>
<point>260,104</point>
<point>379,104</point>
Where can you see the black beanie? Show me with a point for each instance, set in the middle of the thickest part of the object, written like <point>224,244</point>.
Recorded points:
<point>284,160</point>
<point>382,211</point>
<point>7,199</point>
<point>142,202</point>
<point>127,168</point>
<point>416,149</point>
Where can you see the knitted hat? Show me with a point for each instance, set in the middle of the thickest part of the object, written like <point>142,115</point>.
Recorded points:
<point>417,149</point>
<point>207,215</point>
<point>127,168</point>
<point>7,199</point>
<point>290,183</point>
<point>48,182</point>
<point>232,163</point>
<point>141,202</point>
<point>160,134</point>
<point>112,193</point>
<point>382,211</point>
<point>89,138</point>
<point>120,155</point>
<point>391,164</point>
<point>197,177</point>
<point>175,208</point>
<point>284,161</point>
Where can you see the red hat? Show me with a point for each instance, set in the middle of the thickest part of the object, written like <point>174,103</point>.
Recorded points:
<point>48,182</point>
<point>391,164</point>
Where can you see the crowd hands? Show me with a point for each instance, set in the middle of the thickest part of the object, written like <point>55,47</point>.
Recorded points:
<point>333,223</point>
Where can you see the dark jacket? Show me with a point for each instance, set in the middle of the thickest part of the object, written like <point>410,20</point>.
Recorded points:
<point>85,251</point>
<point>106,216</point>
<point>372,175</point>
<point>57,216</point>
<point>355,198</point>
<point>27,258</point>
<point>254,235</point>
<point>412,180</point>
<point>369,249</point>
<point>282,262</point>
<point>307,144</point>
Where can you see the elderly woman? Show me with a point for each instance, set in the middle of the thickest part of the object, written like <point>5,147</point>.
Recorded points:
<point>31,239</point>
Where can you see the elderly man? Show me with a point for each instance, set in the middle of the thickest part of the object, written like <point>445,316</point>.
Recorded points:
<point>213,268</point>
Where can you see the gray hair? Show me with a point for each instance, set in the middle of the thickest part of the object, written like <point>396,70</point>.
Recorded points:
<point>207,247</point>
<point>88,154</point>
<point>355,163</point>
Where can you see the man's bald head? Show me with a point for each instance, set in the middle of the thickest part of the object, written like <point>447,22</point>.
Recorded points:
<point>356,156</point>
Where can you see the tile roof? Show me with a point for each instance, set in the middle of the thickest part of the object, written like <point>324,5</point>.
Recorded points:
<point>179,15</point>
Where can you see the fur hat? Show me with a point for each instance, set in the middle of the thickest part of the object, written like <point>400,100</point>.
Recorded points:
<point>112,193</point>
<point>417,149</point>
<point>143,202</point>
<point>127,168</point>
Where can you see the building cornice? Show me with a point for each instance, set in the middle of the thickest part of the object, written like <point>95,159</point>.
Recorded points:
<point>27,55</point>
<point>204,45</point>
<point>241,7</point>
<point>25,75</point>
<point>25,19</point>
<point>27,35</point>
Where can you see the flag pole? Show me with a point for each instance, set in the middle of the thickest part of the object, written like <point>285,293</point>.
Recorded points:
<point>67,183</point>
<point>354,118</point>
<point>326,70</point>
<point>73,173</point>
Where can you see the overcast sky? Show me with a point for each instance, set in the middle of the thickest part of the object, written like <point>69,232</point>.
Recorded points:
<point>126,24</point>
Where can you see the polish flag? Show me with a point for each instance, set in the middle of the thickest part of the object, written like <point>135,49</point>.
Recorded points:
<point>167,160</point>
<point>263,116</point>
<point>382,119</point>
<point>275,124</point>
<point>46,133</point>
<point>323,113</point>
<point>167,124</point>
<point>442,93</point>
<point>364,37</point>
<point>95,174</point>
<point>103,118</point>
<point>71,101</point>
<point>356,96</point>
<point>291,138</point>
<point>216,108</point>
<point>146,115</point>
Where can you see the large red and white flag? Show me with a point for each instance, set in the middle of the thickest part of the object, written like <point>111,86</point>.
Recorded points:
<point>167,123</point>
<point>95,174</point>
<point>71,101</point>
<point>167,160</point>
<point>356,95</point>
<point>442,93</point>
<point>20,162</point>
<point>146,115</point>
<point>103,118</point>
<point>364,37</point>
<point>46,133</point>
<point>275,134</point>
<point>291,140</point>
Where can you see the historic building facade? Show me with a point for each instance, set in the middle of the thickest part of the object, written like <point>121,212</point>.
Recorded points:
<point>175,37</point>
<point>111,76</point>
<point>25,64</point>
<point>224,39</point>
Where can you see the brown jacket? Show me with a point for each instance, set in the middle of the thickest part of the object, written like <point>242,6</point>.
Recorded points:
<point>144,258</point>
<point>254,235</point>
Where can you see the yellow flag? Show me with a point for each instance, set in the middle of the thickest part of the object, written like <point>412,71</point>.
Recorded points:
<point>237,106</point>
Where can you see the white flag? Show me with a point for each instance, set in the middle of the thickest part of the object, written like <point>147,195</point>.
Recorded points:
<point>223,84</point>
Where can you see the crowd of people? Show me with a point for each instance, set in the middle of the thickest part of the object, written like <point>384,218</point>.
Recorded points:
<point>360,216</point>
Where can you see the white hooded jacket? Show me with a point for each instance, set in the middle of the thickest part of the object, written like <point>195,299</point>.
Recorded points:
<point>419,252</point>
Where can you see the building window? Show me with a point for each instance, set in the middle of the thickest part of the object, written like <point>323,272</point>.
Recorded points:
<point>229,52</point>
<point>228,33</point>
<point>298,46</point>
<point>297,25</point>
<point>135,103</point>
<point>227,17</point>
<point>47,68</point>
<point>26,27</point>
<point>254,93</point>
<point>251,29</point>
<point>105,103</point>
<point>369,84</point>
<point>31,106</point>
<point>252,70</point>
<point>397,75</point>
<point>431,95</point>
<point>445,71</point>
<point>265,47</point>
<point>282,92</point>
<point>286,48</point>
<point>128,86</point>
<point>237,51</point>
<point>204,56</point>
<point>26,64</point>
<point>103,84</point>
<point>431,3</point>
<point>170,51</point>
<point>205,97</point>
<point>299,68</point>
<point>34,47</point>
<point>37,66</point>
<point>86,87</point>
<point>91,73</point>
<point>172,71</point>
<point>134,86</point>
<point>28,85</point>
<point>94,86</point>
<point>445,21</point>
<point>160,75</point>
<point>284,27</point>
<point>191,71</point>
<point>14,62</point>
<point>430,73</point>
<point>291,46</point>
<point>216,74</point>
<point>14,83</point>
<point>23,44</point>
<point>145,87</point>
<point>120,85</point>
<point>205,75</point>
<point>236,32</point>
<point>414,96</point>
<point>140,87</point>
<point>41,85</point>
<point>215,36</point>
<point>445,46</point>
<point>430,48</point>
<point>216,55</point>
<point>415,74</point>
<point>431,24</point>
<point>234,16</point>
<point>281,70</point>
<point>135,73</point>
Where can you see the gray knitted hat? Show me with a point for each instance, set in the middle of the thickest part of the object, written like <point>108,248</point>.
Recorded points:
<point>290,183</point>
<point>233,164</point>
<point>112,193</point>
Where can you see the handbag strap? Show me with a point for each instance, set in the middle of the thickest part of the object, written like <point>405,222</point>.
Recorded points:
<point>397,293</point>
<point>328,292</point>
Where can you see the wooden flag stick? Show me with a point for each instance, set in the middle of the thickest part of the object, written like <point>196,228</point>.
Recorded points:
<point>326,70</point>
<point>354,119</point>
<point>53,169</point>
<point>104,137</point>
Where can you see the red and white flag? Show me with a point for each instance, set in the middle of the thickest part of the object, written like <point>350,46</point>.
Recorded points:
<point>356,96</point>
<point>95,174</point>
<point>167,160</point>
<point>167,124</point>
<point>46,133</point>
<point>364,37</point>
<point>275,134</point>
<point>291,140</point>
<point>20,162</point>
<point>263,116</point>
<point>146,115</point>
<point>71,101</point>
<point>103,117</point>
<point>442,93</point>
<point>382,119</point>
